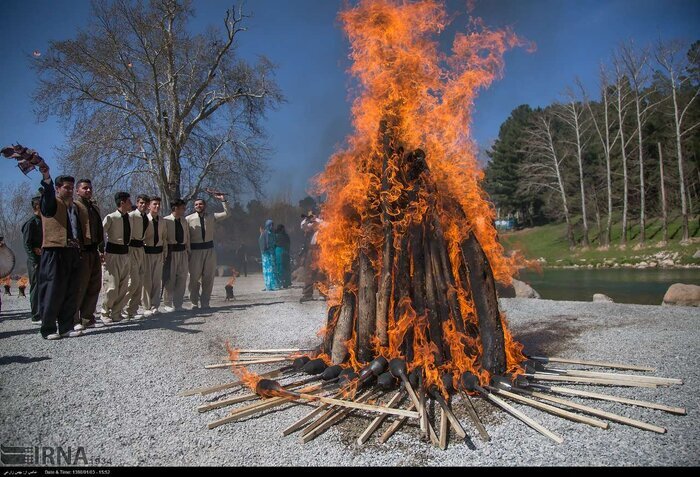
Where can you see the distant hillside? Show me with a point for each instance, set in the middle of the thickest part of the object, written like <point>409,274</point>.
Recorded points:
<point>548,244</point>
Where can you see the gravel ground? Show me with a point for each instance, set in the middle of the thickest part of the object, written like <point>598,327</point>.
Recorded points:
<point>114,390</point>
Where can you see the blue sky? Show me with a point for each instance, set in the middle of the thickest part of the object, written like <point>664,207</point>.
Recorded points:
<point>303,38</point>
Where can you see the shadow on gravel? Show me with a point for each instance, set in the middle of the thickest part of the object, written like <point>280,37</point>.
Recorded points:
<point>244,306</point>
<point>170,321</point>
<point>14,315</point>
<point>555,334</point>
<point>34,330</point>
<point>21,359</point>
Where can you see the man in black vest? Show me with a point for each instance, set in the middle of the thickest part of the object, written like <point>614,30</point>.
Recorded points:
<point>64,231</point>
<point>91,262</point>
<point>33,236</point>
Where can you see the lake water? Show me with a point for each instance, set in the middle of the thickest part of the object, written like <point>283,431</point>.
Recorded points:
<point>645,287</point>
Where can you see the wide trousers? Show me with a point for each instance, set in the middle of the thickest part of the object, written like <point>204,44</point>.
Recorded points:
<point>136,278</point>
<point>116,284</point>
<point>202,268</point>
<point>90,284</point>
<point>152,281</point>
<point>175,286</point>
<point>33,271</point>
<point>58,289</point>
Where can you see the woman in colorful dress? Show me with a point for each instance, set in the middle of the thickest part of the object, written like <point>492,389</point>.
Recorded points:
<point>284,271</point>
<point>267,252</point>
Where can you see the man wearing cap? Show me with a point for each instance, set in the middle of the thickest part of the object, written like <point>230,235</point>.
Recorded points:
<point>91,261</point>
<point>117,229</point>
<point>32,238</point>
<point>65,228</point>
<point>177,236</point>
<point>203,257</point>
<point>139,227</point>
<point>156,237</point>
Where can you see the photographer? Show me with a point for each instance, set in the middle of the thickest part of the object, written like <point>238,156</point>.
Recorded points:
<point>310,225</point>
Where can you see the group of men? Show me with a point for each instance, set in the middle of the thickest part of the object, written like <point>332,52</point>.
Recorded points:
<point>68,244</point>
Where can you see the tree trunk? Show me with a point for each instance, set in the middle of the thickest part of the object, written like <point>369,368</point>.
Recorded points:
<point>663,195</point>
<point>679,155</point>
<point>579,157</point>
<point>562,191</point>
<point>625,179</point>
<point>608,147</point>
<point>640,147</point>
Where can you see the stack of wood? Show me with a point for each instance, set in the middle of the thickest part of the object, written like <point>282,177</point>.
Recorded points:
<point>411,270</point>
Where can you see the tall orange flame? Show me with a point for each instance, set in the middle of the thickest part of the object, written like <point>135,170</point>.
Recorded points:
<point>424,97</point>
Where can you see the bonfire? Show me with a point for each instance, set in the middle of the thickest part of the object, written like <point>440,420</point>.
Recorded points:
<point>411,256</point>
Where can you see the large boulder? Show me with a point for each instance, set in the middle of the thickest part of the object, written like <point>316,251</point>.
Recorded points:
<point>505,291</point>
<point>523,290</point>
<point>600,298</point>
<point>682,295</point>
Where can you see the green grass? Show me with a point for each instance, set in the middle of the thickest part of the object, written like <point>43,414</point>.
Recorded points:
<point>549,242</point>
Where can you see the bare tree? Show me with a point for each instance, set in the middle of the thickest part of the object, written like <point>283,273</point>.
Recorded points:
<point>603,132</point>
<point>636,62</point>
<point>669,56</point>
<point>543,168</point>
<point>622,103</point>
<point>573,114</point>
<point>15,208</point>
<point>143,96</point>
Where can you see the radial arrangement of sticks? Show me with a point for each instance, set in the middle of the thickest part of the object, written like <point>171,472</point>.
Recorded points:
<point>383,391</point>
<point>410,253</point>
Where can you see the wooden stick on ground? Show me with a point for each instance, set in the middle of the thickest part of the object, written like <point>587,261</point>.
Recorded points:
<point>551,409</point>
<point>471,410</point>
<point>227,402</point>
<point>598,412</point>
<point>256,407</point>
<point>302,422</point>
<point>222,387</point>
<point>359,405</point>
<point>236,363</point>
<point>395,425</point>
<point>602,364</point>
<point>456,425</point>
<point>580,380</point>
<point>608,397</point>
<point>337,417</point>
<point>377,421</point>
<point>249,411</point>
<point>249,396</point>
<point>444,428</point>
<point>273,351</point>
<point>631,377</point>
<point>524,418</point>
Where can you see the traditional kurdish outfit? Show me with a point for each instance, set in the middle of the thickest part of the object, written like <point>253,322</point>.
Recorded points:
<point>177,236</point>
<point>90,281</point>
<point>64,230</point>
<point>117,227</point>
<point>156,238</point>
<point>203,257</point>
<point>137,256</point>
